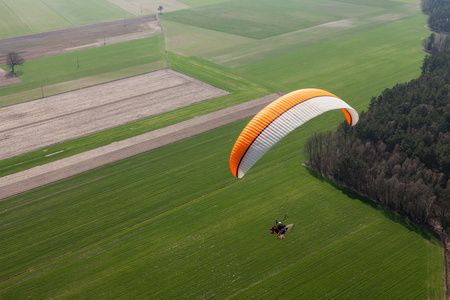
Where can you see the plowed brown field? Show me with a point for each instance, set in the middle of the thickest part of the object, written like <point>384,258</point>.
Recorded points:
<point>37,124</point>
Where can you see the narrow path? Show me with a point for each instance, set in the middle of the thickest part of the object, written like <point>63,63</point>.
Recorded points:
<point>41,175</point>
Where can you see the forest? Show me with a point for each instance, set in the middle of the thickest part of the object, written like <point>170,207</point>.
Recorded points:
<point>399,152</point>
<point>438,21</point>
<point>438,12</point>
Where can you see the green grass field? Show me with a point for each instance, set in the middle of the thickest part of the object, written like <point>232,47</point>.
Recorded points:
<point>355,68</point>
<point>174,223</point>
<point>16,17</point>
<point>88,63</point>
<point>175,216</point>
<point>10,23</point>
<point>82,12</point>
<point>264,19</point>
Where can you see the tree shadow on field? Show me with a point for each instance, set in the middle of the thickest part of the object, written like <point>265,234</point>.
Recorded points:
<point>13,75</point>
<point>392,215</point>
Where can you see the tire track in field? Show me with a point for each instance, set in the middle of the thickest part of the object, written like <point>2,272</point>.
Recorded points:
<point>278,271</point>
<point>151,218</point>
<point>116,232</point>
<point>18,16</point>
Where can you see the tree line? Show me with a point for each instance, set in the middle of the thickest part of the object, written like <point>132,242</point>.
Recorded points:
<point>438,12</point>
<point>399,152</point>
<point>438,21</point>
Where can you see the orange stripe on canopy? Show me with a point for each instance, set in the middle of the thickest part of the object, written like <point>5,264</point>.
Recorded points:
<point>348,116</point>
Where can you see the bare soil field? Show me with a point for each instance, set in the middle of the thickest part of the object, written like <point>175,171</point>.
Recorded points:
<point>37,124</point>
<point>38,176</point>
<point>56,42</point>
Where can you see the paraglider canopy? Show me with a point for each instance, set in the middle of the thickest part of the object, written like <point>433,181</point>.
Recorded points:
<point>278,119</point>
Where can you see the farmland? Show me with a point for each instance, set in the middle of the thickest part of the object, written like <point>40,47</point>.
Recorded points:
<point>66,71</point>
<point>139,7</point>
<point>71,115</point>
<point>174,223</point>
<point>57,42</point>
<point>144,237</point>
<point>18,19</point>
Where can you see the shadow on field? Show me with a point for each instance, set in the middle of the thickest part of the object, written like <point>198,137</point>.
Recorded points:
<point>392,215</point>
<point>16,74</point>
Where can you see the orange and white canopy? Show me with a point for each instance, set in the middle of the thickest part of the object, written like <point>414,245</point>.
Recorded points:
<point>278,119</point>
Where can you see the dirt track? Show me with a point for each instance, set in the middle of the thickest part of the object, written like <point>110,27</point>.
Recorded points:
<point>38,124</point>
<point>42,175</point>
<point>56,42</point>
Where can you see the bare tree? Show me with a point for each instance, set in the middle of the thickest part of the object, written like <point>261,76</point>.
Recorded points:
<point>13,59</point>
